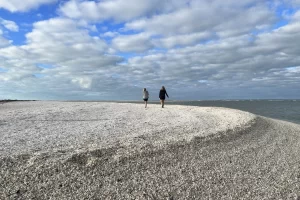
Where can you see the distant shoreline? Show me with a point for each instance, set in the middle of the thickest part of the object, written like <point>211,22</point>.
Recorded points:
<point>7,101</point>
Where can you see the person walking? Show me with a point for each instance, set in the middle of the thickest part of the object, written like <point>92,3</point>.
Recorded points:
<point>162,96</point>
<point>145,96</point>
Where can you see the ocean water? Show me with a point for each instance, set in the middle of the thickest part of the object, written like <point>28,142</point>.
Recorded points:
<point>287,110</point>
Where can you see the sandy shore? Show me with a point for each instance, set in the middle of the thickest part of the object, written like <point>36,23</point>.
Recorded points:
<point>92,150</point>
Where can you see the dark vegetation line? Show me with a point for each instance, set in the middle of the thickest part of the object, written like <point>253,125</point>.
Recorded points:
<point>12,100</point>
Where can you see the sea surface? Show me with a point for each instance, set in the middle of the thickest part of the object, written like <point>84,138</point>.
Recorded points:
<point>287,110</point>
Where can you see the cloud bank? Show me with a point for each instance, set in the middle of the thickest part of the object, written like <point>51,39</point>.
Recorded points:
<point>24,6</point>
<point>111,49</point>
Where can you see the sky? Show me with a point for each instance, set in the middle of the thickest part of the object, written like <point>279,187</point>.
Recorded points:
<point>112,49</point>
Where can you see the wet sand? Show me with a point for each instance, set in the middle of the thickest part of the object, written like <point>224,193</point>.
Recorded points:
<point>94,150</point>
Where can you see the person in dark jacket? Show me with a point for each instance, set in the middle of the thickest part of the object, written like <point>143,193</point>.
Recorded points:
<point>162,96</point>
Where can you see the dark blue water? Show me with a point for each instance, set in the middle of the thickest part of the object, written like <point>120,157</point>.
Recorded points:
<point>288,110</point>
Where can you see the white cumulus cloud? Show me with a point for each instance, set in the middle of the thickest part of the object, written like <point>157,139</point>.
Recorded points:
<point>183,40</point>
<point>10,25</point>
<point>59,55</point>
<point>24,5</point>
<point>118,10</point>
<point>206,16</point>
<point>132,43</point>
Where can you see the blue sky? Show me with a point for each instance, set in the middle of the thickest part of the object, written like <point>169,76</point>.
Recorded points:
<point>111,49</point>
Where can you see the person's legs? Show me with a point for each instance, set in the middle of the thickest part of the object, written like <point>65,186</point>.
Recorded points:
<point>162,103</point>
<point>145,104</point>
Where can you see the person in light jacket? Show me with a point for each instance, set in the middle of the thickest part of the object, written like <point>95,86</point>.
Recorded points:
<point>145,96</point>
<point>162,96</point>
